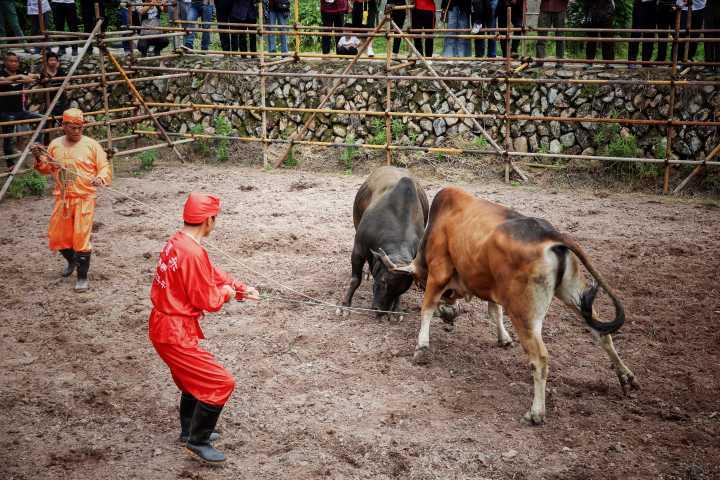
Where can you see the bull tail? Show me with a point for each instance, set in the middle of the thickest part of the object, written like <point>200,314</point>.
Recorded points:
<point>587,297</point>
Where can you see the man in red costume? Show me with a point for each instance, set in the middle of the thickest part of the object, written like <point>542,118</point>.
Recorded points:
<point>186,285</point>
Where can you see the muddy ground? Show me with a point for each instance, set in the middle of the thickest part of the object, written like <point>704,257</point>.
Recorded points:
<point>84,396</point>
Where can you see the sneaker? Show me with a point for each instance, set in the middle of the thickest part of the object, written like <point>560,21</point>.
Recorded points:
<point>476,28</point>
<point>370,52</point>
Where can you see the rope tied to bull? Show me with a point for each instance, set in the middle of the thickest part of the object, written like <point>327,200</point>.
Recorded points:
<point>309,300</point>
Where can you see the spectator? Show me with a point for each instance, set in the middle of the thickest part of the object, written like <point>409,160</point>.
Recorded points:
<point>191,11</point>
<point>695,23</point>
<point>65,14</point>
<point>552,15</point>
<point>600,14</point>
<point>52,76</point>
<point>348,44</point>
<point>87,9</point>
<point>34,13</point>
<point>423,17</point>
<point>149,16</point>
<point>125,15</point>
<point>665,15</point>
<point>222,10</point>
<point>484,15</point>
<point>8,13</point>
<point>517,13</point>
<point>456,14</point>
<point>364,14</point>
<point>12,108</point>
<point>332,13</point>
<point>244,11</point>
<point>278,15</point>
<point>643,18</point>
<point>712,22</point>
<point>398,17</point>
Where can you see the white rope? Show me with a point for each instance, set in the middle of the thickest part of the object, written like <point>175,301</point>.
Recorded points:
<point>311,300</point>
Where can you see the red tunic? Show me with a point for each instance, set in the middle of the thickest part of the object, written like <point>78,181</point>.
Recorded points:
<point>186,285</point>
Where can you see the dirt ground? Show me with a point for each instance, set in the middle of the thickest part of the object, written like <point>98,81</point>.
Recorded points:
<point>84,396</point>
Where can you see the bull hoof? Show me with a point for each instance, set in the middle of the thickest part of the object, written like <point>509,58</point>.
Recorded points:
<point>449,327</point>
<point>421,356</point>
<point>342,312</point>
<point>504,342</point>
<point>534,418</point>
<point>628,380</point>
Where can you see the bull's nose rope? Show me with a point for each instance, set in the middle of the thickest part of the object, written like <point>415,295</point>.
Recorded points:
<point>308,299</point>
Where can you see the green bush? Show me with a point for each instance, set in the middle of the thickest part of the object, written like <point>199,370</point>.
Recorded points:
<point>348,155</point>
<point>31,183</point>
<point>223,127</point>
<point>147,160</point>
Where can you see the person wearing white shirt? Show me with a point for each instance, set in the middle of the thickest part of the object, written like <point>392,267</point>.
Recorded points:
<point>696,18</point>
<point>65,13</point>
<point>33,11</point>
<point>348,45</point>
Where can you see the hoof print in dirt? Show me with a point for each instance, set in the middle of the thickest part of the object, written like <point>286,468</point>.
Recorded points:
<point>421,356</point>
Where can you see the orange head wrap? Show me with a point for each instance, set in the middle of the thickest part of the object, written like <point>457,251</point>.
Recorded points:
<point>73,115</point>
<point>200,206</point>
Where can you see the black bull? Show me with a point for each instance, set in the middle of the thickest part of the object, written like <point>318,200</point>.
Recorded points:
<point>390,213</point>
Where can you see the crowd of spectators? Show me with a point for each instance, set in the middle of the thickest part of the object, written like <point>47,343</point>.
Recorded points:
<point>345,22</point>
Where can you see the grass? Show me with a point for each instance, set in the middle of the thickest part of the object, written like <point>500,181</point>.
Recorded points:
<point>348,155</point>
<point>223,127</point>
<point>147,160</point>
<point>30,183</point>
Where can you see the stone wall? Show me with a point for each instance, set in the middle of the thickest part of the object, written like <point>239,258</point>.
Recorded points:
<point>563,100</point>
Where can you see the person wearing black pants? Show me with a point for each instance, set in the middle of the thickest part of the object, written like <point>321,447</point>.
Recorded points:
<point>600,14</point>
<point>222,11</point>
<point>517,9</point>
<point>696,23</point>
<point>332,14</point>
<point>712,22</point>
<point>423,17</point>
<point>398,17</point>
<point>87,7</point>
<point>65,13</point>
<point>643,18</point>
<point>244,11</point>
<point>358,8</point>
<point>665,15</point>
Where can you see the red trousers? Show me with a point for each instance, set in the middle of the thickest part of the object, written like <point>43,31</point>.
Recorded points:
<point>196,372</point>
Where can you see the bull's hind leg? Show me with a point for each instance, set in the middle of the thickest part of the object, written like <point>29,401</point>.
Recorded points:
<point>569,292</point>
<point>625,376</point>
<point>357,261</point>
<point>496,315</point>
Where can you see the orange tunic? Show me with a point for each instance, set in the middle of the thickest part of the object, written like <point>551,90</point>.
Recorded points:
<point>72,218</point>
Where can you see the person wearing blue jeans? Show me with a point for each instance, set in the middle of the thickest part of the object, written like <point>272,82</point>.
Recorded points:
<point>485,14</point>
<point>457,13</point>
<point>205,10</point>
<point>278,15</point>
<point>124,19</point>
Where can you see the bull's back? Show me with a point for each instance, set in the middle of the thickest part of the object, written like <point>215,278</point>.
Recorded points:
<point>380,182</point>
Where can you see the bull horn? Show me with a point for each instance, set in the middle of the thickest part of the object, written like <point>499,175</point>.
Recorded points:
<point>390,265</point>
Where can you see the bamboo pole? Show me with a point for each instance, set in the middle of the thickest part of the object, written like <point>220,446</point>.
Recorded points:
<point>508,72</point>
<point>263,87</point>
<point>103,81</point>
<point>388,91</point>
<point>140,99</point>
<point>671,113</point>
<point>58,94</point>
<point>296,22</point>
<point>446,150</point>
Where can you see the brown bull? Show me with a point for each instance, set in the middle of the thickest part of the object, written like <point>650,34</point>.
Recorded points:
<point>473,247</point>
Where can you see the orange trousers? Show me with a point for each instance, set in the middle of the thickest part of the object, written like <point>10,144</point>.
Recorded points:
<point>71,224</point>
<point>195,371</point>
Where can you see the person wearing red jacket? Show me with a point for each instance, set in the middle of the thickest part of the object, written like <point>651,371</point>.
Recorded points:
<point>186,285</point>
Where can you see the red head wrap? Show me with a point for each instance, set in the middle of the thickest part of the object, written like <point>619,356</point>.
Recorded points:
<point>200,206</point>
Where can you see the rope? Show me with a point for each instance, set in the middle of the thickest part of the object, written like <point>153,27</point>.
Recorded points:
<point>311,300</point>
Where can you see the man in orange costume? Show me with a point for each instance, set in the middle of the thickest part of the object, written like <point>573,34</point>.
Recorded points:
<point>186,285</point>
<point>79,165</point>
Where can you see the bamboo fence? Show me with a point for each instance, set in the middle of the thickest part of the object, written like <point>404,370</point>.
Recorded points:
<point>263,65</point>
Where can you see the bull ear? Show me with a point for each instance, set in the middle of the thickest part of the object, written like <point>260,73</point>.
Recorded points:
<point>390,265</point>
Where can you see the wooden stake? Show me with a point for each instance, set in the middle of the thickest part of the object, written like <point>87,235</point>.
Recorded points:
<point>263,133</point>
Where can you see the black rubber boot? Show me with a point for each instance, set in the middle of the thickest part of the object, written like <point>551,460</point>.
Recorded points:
<point>187,410</point>
<point>202,426</point>
<point>69,255</point>
<point>83,265</point>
